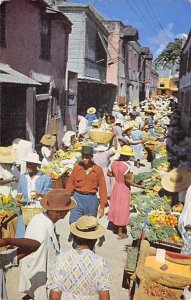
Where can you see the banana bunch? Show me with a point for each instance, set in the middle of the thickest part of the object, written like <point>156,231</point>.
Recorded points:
<point>164,167</point>
<point>60,154</point>
<point>5,199</point>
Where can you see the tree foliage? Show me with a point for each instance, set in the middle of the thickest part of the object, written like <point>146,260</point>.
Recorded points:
<point>170,55</point>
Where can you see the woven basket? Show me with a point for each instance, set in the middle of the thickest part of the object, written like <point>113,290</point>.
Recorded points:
<point>100,137</point>
<point>29,212</point>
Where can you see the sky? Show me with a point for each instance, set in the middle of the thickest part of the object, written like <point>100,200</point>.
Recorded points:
<point>158,21</point>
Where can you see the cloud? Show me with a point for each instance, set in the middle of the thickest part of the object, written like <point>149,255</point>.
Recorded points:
<point>189,1</point>
<point>159,42</point>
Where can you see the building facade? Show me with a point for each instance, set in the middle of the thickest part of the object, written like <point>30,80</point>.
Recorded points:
<point>166,83</point>
<point>185,86</point>
<point>88,52</point>
<point>38,49</point>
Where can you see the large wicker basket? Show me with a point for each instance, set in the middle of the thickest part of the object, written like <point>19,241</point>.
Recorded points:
<point>29,212</point>
<point>100,137</point>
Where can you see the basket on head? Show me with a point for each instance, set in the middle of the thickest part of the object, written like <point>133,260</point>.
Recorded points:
<point>29,212</point>
<point>100,137</point>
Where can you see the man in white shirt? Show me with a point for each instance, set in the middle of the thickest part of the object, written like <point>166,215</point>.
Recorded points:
<point>35,268</point>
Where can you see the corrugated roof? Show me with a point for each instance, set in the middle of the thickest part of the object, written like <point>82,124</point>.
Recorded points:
<point>9,75</point>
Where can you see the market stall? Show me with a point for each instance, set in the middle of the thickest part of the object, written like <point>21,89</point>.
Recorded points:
<point>165,279</point>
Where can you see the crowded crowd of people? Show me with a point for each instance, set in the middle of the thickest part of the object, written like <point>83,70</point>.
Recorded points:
<point>102,177</point>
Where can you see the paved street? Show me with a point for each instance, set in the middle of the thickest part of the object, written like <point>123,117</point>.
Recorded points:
<point>112,249</point>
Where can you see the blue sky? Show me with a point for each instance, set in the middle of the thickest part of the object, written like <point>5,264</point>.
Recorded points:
<point>158,21</point>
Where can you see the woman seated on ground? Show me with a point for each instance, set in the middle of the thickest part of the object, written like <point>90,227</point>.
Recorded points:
<point>90,278</point>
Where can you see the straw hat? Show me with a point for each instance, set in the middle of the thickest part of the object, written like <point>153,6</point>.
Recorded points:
<point>58,199</point>
<point>91,110</point>
<point>135,125</point>
<point>33,158</point>
<point>127,126</point>
<point>126,150</point>
<point>7,155</point>
<point>176,180</point>
<point>87,227</point>
<point>48,140</point>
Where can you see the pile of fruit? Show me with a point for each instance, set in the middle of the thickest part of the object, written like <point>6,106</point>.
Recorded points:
<point>178,207</point>
<point>163,219</point>
<point>8,203</point>
<point>54,169</point>
<point>60,154</point>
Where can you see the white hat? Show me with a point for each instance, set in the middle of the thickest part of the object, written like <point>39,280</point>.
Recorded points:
<point>101,148</point>
<point>67,138</point>
<point>33,158</point>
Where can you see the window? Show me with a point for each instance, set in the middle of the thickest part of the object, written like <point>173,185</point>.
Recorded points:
<point>2,26</point>
<point>161,84</point>
<point>45,39</point>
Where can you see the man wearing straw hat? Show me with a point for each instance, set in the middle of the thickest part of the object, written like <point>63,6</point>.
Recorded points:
<point>36,267</point>
<point>48,141</point>
<point>179,180</point>
<point>84,181</point>
<point>87,275</point>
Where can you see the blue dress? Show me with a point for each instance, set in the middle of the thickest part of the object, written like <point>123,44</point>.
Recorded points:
<point>136,136</point>
<point>90,118</point>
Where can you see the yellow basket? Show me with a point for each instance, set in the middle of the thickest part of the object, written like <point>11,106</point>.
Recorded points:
<point>29,212</point>
<point>100,137</point>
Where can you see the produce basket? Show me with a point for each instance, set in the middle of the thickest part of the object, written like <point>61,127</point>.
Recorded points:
<point>29,212</point>
<point>100,137</point>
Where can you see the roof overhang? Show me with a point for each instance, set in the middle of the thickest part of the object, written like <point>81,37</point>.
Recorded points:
<point>130,34</point>
<point>9,75</point>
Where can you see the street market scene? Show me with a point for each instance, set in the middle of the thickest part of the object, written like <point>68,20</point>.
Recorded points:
<point>95,160</point>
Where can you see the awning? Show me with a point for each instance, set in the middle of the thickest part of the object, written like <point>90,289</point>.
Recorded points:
<point>9,75</point>
<point>103,41</point>
<point>40,77</point>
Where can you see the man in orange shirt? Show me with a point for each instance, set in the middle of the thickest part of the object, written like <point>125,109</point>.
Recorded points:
<point>84,181</point>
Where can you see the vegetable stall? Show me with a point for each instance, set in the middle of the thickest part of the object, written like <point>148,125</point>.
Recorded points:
<point>8,216</point>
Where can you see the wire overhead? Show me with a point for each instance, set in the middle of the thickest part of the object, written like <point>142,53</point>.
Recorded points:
<point>157,19</point>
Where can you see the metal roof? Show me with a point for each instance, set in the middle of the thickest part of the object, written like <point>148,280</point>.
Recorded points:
<point>9,75</point>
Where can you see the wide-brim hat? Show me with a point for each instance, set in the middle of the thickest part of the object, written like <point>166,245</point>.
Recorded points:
<point>33,158</point>
<point>58,199</point>
<point>7,155</point>
<point>127,126</point>
<point>91,110</point>
<point>176,180</point>
<point>101,148</point>
<point>48,140</point>
<point>87,227</point>
<point>126,150</point>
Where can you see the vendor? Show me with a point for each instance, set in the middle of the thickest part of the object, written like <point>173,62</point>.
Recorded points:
<point>33,183</point>
<point>90,116</point>
<point>48,141</point>
<point>68,139</point>
<point>179,180</point>
<point>7,179</point>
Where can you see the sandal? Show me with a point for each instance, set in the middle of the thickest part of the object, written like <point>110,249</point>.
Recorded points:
<point>122,237</point>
